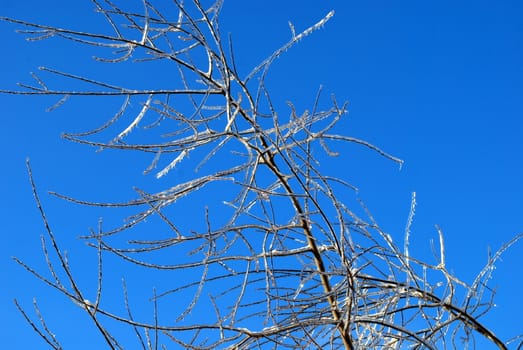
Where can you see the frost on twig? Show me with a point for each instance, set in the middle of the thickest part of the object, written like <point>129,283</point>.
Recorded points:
<point>250,227</point>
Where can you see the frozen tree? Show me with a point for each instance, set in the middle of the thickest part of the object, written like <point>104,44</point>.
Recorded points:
<point>276,258</point>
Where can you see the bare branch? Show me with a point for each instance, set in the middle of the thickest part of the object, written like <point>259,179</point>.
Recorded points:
<point>272,245</point>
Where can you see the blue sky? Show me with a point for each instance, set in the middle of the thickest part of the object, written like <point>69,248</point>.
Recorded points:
<point>437,84</point>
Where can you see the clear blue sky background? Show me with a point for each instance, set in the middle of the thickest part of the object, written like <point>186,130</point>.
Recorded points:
<point>438,84</point>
